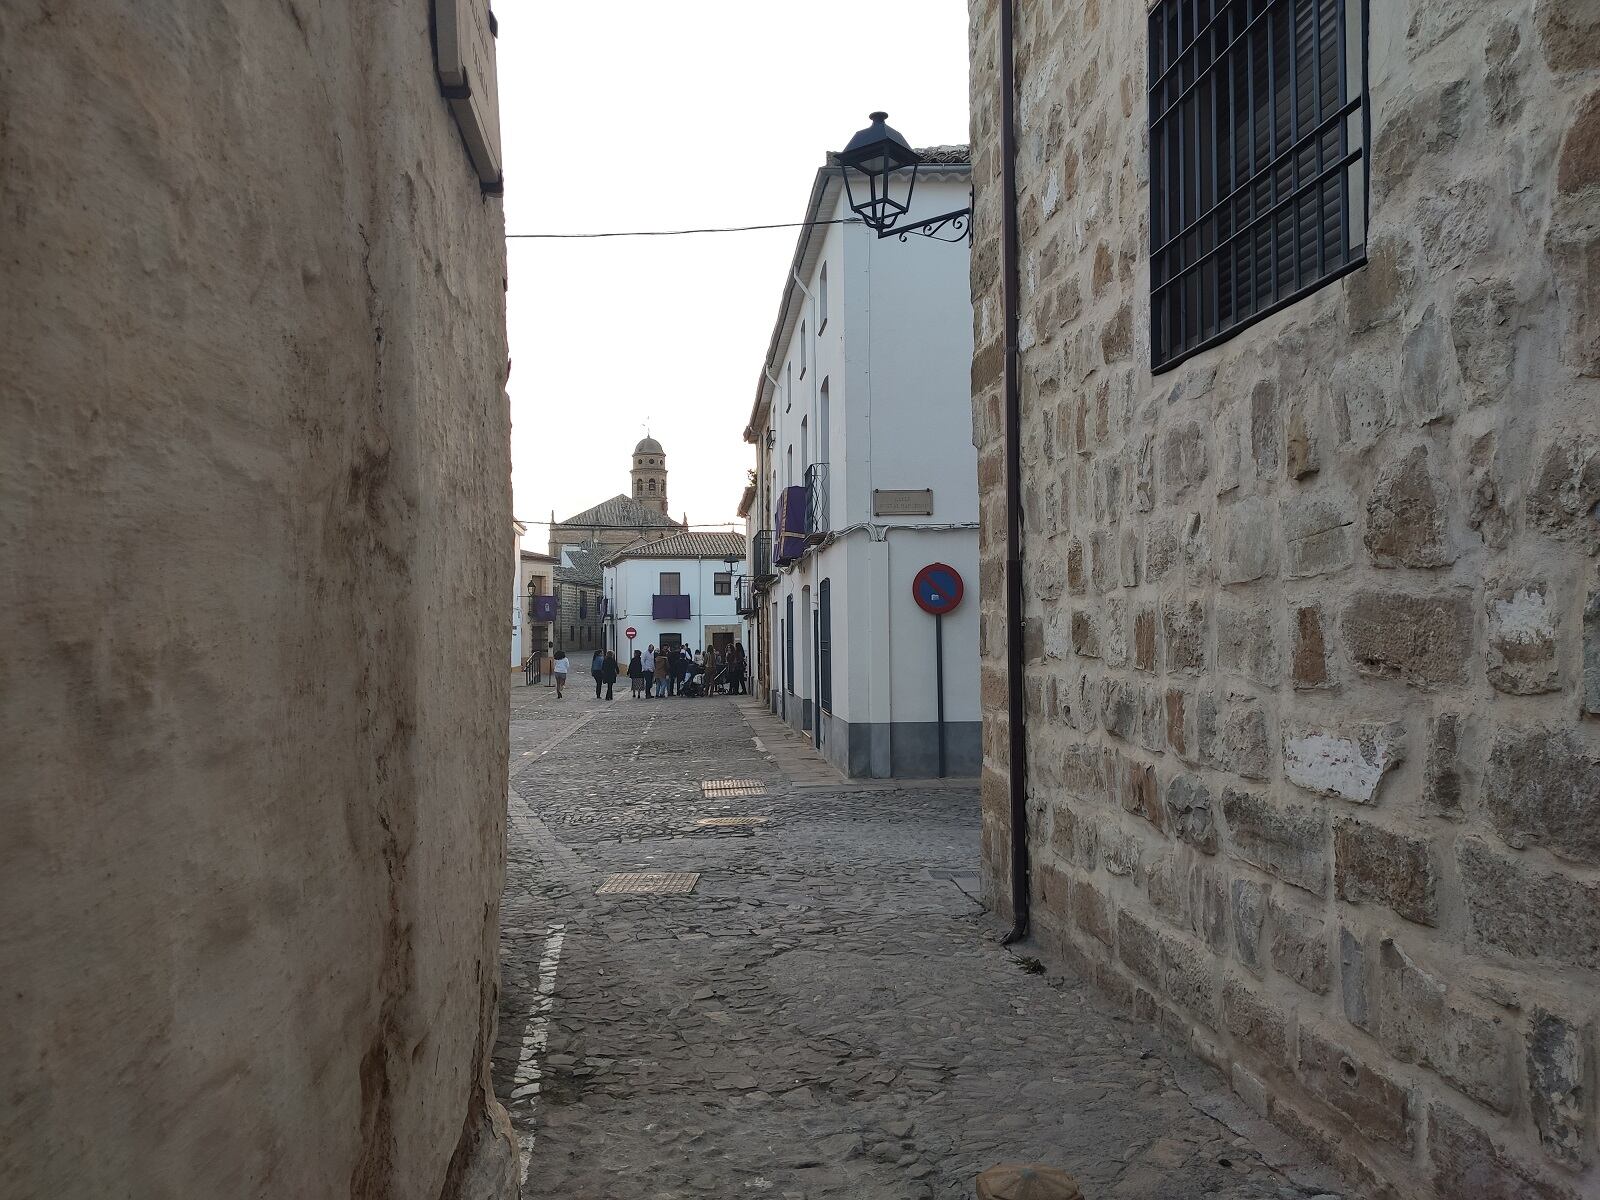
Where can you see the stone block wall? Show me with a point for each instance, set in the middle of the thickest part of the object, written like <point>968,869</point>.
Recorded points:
<point>1313,621</point>
<point>255,533</point>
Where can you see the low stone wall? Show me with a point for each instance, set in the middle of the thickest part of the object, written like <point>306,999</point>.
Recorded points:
<point>1313,621</point>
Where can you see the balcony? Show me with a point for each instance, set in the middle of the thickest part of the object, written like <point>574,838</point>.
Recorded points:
<point>817,502</point>
<point>669,608</point>
<point>747,602</point>
<point>761,555</point>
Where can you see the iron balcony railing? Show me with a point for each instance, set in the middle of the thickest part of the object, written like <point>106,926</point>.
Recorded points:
<point>747,602</point>
<point>817,501</point>
<point>761,555</point>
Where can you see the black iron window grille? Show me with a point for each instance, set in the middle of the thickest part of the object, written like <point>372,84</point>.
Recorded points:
<point>1259,128</point>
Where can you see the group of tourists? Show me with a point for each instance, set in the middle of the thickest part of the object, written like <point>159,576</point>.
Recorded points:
<point>677,671</point>
<point>671,671</point>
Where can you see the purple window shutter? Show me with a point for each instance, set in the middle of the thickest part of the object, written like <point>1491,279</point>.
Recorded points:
<point>791,524</point>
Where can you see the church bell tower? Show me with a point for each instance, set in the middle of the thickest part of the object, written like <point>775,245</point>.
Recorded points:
<point>650,475</point>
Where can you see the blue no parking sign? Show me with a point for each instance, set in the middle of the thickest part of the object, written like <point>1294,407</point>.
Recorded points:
<point>938,589</point>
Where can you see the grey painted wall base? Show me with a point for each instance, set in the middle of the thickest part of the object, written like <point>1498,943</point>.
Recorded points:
<point>891,749</point>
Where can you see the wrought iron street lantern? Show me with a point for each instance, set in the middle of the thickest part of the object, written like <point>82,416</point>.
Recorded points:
<point>874,165</point>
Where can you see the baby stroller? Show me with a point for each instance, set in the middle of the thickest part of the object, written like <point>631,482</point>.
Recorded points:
<point>691,686</point>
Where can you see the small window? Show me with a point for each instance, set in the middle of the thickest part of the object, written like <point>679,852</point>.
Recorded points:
<point>652,487</point>
<point>722,583</point>
<point>822,300</point>
<point>583,606</point>
<point>671,583</point>
<point>805,349</point>
<point>638,487</point>
<point>788,385</point>
<point>1258,164</point>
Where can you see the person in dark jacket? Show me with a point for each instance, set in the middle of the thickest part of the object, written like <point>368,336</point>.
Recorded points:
<point>608,674</point>
<point>597,667</point>
<point>636,675</point>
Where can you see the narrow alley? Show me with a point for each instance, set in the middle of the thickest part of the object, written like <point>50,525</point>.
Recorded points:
<point>826,1011</point>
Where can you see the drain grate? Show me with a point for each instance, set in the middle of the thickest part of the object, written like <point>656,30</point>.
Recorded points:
<point>729,821</point>
<point>732,787</point>
<point>649,883</point>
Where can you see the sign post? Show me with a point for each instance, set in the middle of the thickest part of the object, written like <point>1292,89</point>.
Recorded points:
<point>937,590</point>
<point>630,633</point>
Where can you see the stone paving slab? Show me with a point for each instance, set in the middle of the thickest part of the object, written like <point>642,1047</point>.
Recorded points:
<point>826,1014</point>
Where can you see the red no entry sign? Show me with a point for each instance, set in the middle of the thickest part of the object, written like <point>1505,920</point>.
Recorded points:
<point>938,588</point>
<point>630,633</point>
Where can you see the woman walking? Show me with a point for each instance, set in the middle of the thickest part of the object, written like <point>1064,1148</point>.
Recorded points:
<point>661,675</point>
<point>636,674</point>
<point>596,666</point>
<point>648,666</point>
<point>560,669</point>
<point>608,671</point>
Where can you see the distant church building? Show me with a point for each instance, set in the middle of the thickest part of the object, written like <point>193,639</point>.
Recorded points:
<point>580,541</point>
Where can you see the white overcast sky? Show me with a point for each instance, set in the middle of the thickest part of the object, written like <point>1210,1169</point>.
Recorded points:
<point>644,114</point>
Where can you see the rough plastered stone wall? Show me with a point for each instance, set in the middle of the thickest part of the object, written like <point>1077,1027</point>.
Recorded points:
<point>1313,621</point>
<point>256,535</point>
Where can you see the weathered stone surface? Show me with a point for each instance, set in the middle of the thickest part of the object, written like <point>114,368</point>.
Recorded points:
<point>1424,368</point>
<point>1378,294</point>
<point>1302,453</point>
<point>1441,780</point>
<point>1188,971</point>
<point>1557,1071</point>
<point>1139,948</point>
<point>1255,1021</point>
<point>1089,910</point>
<point>1419,1023</point>
<point>1032,639</point>
<point>1318,535</point>
<point>1300,947</point>
<point>1468,1164</point>
<point>1542,787</point>
<point>1591,656</point>
<point>1373,1101</point>
<point>1424,640</point>
<point>1184,630</point>
<point>1116,707</point>
<point>1077,581</point>
<point>1185,459</point>
<point>1049,576</point>
<point>1249,549</point>
<point>1310,659</point>
<point>1564,495</point>
<point>1249,904</point>
<point>1569,34</point>
<point>1120,853</point>
<point>1085,633</point>
<point>1482,325</point>
<point>1372,863</point>
<point>1348,765</point>
<point>1522,639</point>
<point>1579,166</point>
<point>1407,516</point>
<point>1189,814</point>
<point>1247,641</point>
<point>1134,787</point>
<point>1264,427</point>
<point>1355,980</point>
<point>1180,723</point>
<point>1075,836</point>
<point>1285,840</point>
<point>1144,639</point>
<point>1232,735</point>
<point>1529,912</point>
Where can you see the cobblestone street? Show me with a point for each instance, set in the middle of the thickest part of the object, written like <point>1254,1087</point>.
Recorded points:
<point>828,1011</point>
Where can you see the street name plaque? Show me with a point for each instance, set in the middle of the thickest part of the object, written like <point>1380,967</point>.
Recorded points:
<point>902,502</point>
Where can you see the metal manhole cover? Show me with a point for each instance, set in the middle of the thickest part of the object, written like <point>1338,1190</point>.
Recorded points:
<point>641,883</point>
<point>732,787</point>
<point>729,821</point>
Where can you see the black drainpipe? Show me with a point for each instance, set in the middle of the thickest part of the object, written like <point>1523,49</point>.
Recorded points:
<point>1018,759</point>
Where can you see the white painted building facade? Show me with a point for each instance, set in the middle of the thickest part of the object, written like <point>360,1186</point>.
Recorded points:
<point>864,400</point>
<point>674,591</point>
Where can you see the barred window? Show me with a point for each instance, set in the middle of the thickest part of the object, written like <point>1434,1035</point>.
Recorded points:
<point>1259,125</point>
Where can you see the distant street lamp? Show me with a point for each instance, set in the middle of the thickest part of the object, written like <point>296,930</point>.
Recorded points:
<point>876,155</point>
